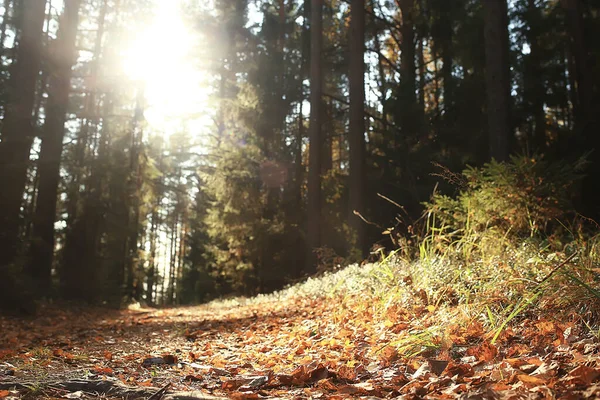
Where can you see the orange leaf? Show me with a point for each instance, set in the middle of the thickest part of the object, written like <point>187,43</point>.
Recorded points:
<point>545,327</point>
<point>4,393</point>
<point>103,370</point>
<point>484,352</point>
<point>531,381</point>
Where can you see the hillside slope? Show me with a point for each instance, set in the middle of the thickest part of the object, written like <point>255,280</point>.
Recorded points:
<point>359,332</point>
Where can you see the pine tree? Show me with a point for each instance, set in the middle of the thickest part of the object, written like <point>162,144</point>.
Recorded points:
<point>357,122</point>
<point>497,76</point>
<point>18,128</point>
<point>316,141</point>
<point>42,245</point>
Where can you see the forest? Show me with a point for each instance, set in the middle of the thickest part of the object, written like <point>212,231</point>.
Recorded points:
<point>321,119</point>
<point>439,157</point>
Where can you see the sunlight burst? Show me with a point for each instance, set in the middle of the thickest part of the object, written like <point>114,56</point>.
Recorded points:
<point>159,57</point>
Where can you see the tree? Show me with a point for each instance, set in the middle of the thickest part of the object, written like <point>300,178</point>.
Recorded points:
<point>585,101</point>
<point>406,97</point>
<point>316,141</point>
<point>18,129</point>
<point>357,121</point>
<point>86,210</point>
<point>62,61</point>
<point>497,77</point>
<point>533,81</point>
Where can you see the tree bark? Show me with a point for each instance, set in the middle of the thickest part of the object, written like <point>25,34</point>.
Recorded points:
<point>407,108</point>
<point>315,136</point>
<point>357,122</point>
<point>583,74</point>
<point>42,244</point>
<point>497,77</point>
<point>534,84</point>
<point>585,111</point>
<point>18,129</point>
<point>80,257</point>
<point>134,193</point>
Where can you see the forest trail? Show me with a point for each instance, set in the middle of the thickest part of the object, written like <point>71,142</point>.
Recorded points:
<point>327,348</point>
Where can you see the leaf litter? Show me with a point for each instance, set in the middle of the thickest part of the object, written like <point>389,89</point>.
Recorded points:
<point>329,346</point>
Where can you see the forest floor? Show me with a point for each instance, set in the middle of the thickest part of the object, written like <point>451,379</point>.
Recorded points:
<point>293,346</point>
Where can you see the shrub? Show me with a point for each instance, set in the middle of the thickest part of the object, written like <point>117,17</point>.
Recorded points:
<point>518,198</point>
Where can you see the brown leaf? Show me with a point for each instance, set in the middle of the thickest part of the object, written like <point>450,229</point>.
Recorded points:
<point>484,352</point>
<point>531,381</point>
<point>583,375</point>
<point>437,366</point>
<point>346,373</point>
<point>103,370</point>
<point>4,393</point>
<point>319,373</point>
<point>460,370</point>
<point>169,359</point>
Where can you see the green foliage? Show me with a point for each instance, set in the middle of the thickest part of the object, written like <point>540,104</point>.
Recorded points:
<point>519,198</point>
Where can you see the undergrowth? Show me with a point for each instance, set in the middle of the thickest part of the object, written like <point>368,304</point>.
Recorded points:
<point>507,246</point>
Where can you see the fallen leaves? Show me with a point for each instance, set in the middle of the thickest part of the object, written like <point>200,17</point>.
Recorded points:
<point>318,348</point>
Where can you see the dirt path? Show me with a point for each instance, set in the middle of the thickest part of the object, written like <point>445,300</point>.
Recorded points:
<point>303,348</point>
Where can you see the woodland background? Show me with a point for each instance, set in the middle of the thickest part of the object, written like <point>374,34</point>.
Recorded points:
<point>320,109</point>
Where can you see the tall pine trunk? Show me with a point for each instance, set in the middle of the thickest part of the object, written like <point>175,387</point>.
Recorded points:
<point>586,112</point>
<point>497,77</point>
<point>357,122</point>
<point>134,193</point>
<point>80,261</point>
<point>582,71</point>
<point>18,129</point>
<point>534,84</point>
<point>407,107</point>
<point>42,244</point>
<point>315,136</point>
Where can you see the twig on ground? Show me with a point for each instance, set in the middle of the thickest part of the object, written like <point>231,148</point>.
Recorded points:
<point>161,393</point>
<point>559,266</point>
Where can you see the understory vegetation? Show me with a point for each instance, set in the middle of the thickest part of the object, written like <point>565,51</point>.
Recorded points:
<point>506,247</point>
<point>482,299</point>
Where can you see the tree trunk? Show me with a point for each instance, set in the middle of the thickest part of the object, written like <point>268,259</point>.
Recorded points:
<point>150,275</point>
<point>446,47</point>
<point>357,122</point>
<point>586,117</point>
<point>42,244</point>
<point>80,261</point>
<point>134,188</point>
<point>583,73</point>
<point>18,129</point>
<point>534,84</point>
<point>316,141</point>
<point>407,101</point>
<point>497,77</point>
<point>422,72</point>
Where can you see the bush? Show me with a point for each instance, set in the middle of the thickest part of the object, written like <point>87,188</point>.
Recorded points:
<point>518,198</point>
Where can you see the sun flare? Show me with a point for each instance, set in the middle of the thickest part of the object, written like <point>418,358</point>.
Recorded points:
<point>159,57</point>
